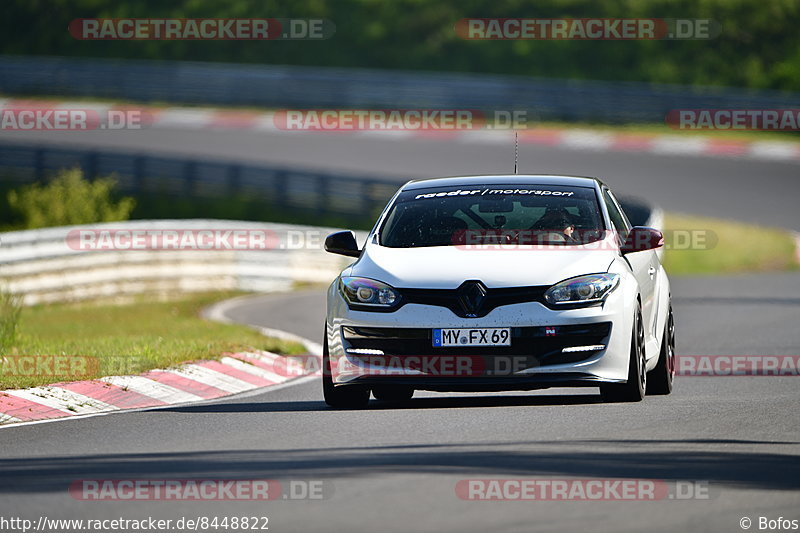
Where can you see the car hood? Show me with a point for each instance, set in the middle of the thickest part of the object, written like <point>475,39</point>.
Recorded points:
<point>445,267</point>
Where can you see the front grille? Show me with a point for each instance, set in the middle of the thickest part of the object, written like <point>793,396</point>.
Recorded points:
<point>540,346</point>
<point>460,303</point>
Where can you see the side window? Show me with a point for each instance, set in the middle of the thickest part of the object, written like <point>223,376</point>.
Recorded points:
<point>617,218</point>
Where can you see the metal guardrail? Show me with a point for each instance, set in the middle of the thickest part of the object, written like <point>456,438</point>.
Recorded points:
<point>315,87</point>
<point>316,193</point>
<point>46,266</point>
<point>322,193</point>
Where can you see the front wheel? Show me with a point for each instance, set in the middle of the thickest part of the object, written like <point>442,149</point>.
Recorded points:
<point>634,389</point>
<point>349,397</point>
<point>662,376</point>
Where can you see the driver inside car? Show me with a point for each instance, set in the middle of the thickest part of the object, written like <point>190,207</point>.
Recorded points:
<point>556,225</point>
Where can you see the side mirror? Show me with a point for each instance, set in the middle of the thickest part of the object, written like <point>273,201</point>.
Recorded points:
<point>343,243</point>
<point>642,238</point>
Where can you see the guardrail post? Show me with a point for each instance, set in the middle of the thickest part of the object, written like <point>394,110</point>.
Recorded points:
<point>138,173</point>
<point>280,182</point>
<point>38,164</point>
<point>90,165</point>
<point>234,179</point>
<point>366,198</point>
<point>323,196</point>
<point>189,177</point>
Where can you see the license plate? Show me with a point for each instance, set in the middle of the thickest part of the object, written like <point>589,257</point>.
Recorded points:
<point>472,337</point>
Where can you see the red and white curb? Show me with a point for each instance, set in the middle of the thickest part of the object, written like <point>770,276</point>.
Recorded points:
<point>575,139</point>
<point>189,383</point>
<point>201,381</point>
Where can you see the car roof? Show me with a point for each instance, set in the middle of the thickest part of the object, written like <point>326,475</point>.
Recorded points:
<point>503,179</point>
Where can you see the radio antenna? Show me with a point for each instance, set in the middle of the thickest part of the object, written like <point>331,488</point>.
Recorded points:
<point>516,151</point>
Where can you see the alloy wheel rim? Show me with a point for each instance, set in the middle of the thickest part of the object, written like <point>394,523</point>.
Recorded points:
<point>671,346</point>
<point>641,352</point>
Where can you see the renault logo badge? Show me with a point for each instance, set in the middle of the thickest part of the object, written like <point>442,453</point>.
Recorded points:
<point>471,296</point>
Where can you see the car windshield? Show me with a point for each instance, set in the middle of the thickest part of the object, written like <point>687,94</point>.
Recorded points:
<point>496,215</point>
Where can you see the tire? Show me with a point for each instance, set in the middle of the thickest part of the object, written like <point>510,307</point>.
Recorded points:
<point>349,397</point>
<point>660,379</point>
<point>634,389</point>
<point>393,393</point>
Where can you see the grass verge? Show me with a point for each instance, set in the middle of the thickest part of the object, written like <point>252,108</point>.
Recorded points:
<point>126,339</point>
<point>700,245</point>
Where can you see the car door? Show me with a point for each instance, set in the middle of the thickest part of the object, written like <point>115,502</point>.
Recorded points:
<point>643,264</point>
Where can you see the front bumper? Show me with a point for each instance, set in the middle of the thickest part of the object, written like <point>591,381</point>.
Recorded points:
<point>368,348</point>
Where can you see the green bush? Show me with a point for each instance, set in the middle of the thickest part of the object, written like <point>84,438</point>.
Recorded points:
<point>69,199</point>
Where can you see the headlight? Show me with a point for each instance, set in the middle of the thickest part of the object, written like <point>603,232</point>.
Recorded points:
<point>368,292</point>
<point>589,289</point>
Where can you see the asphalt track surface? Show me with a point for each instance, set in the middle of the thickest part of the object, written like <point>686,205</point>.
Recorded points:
<point>751,190</point>
<point>395,468</point>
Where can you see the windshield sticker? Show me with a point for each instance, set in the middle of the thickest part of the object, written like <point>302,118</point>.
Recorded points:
<point>482,192</point>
